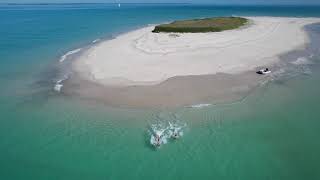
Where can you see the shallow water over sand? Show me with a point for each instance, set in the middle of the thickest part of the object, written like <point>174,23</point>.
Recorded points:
<point>271,134</point>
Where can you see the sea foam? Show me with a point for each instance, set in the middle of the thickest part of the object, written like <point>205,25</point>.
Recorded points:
<point>64,57</point>
<point>95,41</point>
<point>200,105</point>
<point>302,61</point>
<point>59,84</point>
<point>58,87</point>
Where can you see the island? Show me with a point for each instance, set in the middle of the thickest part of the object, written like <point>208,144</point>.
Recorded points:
<point>216,24</point>
<point>146,69</point>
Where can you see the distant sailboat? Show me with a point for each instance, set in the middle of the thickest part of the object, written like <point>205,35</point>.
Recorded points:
<point>119,5</point>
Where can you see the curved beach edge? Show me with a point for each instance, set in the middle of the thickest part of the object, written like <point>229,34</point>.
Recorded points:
<point>143,69</point>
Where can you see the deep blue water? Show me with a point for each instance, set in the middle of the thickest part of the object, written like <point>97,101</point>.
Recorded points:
<point>34,36</point>
<point>43,136</point>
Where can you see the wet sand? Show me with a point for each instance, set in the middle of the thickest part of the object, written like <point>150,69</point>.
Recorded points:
<point>174,92</point>
<point>140,69</point>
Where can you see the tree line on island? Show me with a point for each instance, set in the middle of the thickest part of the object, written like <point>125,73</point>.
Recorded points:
<point>216,24</point>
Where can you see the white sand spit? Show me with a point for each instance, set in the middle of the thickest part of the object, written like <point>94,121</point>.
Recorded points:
<point>141,57</point>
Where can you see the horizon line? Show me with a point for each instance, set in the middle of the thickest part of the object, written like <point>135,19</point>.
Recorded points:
<point>190,3</point>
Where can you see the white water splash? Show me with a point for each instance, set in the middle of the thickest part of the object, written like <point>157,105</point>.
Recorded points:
<point>161,133</point>
<point>176,130</point>
<point>58,87</point>
<point>158,135</point>
<point>59,84</point>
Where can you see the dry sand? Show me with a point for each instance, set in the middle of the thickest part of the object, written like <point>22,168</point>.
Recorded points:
<point>145,69</point>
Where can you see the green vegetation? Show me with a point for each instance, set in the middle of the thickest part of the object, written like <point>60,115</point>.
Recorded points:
<point>202,25</point>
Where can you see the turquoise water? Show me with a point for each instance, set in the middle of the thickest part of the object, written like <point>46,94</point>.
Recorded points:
<point>272,134</point>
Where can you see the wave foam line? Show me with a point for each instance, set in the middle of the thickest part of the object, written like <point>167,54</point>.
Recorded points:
<point>302,61</point>
<point>64,57</point>
<point>95,41</point>
<point>200,105</point>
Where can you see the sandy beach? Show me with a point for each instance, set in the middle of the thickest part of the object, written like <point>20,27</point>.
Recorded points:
<point>164,69</point>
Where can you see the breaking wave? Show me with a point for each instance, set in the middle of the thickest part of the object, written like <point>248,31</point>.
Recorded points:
<point>59,83</point>
<point>200,105</point>
<point>95,41</point>
<point>65,56</point>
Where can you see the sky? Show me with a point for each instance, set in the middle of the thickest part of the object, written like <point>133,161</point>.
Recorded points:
<point>287,2</point>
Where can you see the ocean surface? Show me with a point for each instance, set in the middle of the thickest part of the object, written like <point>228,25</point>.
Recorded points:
<point>271,134</point>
